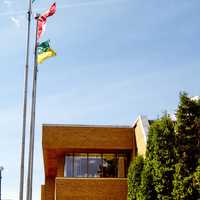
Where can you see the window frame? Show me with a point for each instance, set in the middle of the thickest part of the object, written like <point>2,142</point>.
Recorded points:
<point>116,156</point>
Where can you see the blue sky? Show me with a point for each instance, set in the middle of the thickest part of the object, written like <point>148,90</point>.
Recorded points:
<point>116,59</point>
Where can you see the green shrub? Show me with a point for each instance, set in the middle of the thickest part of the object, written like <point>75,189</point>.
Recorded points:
<point>134,177</point>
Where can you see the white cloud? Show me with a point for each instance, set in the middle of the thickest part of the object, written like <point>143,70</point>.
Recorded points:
<point>90,3</point>
<point>16,21</point>
<point>8,3</point>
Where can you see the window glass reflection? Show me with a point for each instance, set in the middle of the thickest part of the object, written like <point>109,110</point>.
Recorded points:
<point>109,165</point>
<point>68,165</point>
<point>94,165</point>
<point>80,165</point>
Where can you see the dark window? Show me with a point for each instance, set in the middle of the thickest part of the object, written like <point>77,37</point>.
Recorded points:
<point>96,165</point>
<point>109,165</point>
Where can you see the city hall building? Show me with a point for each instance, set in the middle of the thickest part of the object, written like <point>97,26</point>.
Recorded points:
<point>90,162</point>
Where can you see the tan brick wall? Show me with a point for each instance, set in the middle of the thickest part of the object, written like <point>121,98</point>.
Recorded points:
<point>60,166</point>
<point>91,189</point>
<point>140,139</point>
<point>49,188</point>
<point>134,153</point>
<point>42,192</point>
<point>58,140</point>
<point>70,138</point>
<point>121,168</point>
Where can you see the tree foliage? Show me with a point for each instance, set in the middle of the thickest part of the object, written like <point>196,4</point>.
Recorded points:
<point>188,148</point>
<point>161,154</point>
<point>171,169</point>
<point>147,189</point>
<point>134,177</point>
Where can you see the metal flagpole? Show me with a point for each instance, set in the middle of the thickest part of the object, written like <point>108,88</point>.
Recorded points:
<point>21,187</point>
<point>32,125</point>
<point>1,169</point>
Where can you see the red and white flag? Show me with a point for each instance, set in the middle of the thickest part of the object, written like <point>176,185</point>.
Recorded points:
<point>43,19</point>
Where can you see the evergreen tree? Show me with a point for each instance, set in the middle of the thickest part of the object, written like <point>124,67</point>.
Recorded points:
<point>147,188</point>
<point>161,155</point>
<point>196,180</point>
<point>134,177</point>
<point>188,148</point>
<point>171,169</point>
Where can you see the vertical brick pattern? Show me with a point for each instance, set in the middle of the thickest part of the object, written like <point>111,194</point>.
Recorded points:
<point>60,166</point>
<point>42,192</point>
<point>49,188</point>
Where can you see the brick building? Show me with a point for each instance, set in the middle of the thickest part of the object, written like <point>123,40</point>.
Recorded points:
<point>90,162</point>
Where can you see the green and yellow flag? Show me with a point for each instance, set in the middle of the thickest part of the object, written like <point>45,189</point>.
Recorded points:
<point>44,52</point>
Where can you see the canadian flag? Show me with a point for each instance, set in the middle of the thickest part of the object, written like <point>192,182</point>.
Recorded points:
<point>43,19</point>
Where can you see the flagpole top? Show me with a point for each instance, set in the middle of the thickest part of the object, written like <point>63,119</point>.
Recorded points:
<point>37,15</point>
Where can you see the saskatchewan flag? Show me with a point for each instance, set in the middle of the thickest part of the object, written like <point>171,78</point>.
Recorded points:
<point>44,52</point>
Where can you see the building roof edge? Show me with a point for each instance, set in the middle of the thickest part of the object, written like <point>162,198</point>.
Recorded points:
<point>145,125</point>
<point>87,125</point>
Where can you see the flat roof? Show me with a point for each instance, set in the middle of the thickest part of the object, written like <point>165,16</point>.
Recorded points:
<point>87,125</point>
